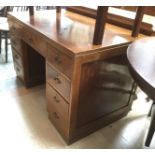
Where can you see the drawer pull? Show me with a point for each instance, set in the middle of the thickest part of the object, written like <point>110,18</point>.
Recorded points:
<point>58,60</point>
<point>55,115</point>
<point>56,99</point>
<point>57,80</point>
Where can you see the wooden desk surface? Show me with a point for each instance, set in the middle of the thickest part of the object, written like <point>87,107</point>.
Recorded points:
<point>73,31</point>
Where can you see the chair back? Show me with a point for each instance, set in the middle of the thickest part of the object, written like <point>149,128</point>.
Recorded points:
<point>3,11</point>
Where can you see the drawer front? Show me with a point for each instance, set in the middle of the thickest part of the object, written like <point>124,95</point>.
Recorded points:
<point>17,58</point>
<point>58,81</point>
<point>60,60</point>
<point>58,122</point>
<point>19,71</point>
<point>16,44</point>
<point>15,28</point>
<point>57,102</point>
<point>35,41</point>
<point>57,108</point>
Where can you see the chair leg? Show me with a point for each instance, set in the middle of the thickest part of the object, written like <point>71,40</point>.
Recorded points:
<point>6,47</point>
<point>151,128</point>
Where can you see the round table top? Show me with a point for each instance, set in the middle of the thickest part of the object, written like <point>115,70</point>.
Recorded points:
<point>141,57</point>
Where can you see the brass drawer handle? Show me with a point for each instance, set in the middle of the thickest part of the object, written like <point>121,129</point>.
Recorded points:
<point>57,80</point>
<point>55,115</point>
<point>56,99</point>
<point>58,60</point>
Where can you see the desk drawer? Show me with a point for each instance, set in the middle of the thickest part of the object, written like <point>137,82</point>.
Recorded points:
<point>60,60</point>
<point>58,81</point>
<point>35,41</point>
<point>16,57</point>
<point>15,28</point>
<point>16,44</point>
<point>19,70</point>
<point>57,108</point>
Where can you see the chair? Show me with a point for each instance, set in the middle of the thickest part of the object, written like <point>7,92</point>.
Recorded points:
<point>141,58</point>
<point>4,30</point>
<point>38,8</point>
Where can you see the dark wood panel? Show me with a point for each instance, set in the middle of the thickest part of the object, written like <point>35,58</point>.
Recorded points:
<point>105,87</point>
<point>34,65</point>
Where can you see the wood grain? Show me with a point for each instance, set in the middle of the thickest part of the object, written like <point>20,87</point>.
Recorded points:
<point>60,48</point>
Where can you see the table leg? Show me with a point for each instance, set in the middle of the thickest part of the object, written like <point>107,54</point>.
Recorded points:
<point>149,114</point>
<point>151,128</point>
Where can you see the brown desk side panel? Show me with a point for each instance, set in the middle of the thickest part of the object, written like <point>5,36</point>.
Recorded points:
<point>106,90</point>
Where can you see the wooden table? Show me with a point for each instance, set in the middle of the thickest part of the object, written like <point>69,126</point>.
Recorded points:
<point>141,57</point>
<point>80,77</point>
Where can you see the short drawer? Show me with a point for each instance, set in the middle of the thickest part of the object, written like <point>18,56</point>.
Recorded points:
<point>14,28</point>
<point>36,41</point>
<point>16,44</point>
<point>19,71</point>
<point>58,122</point>
<point>56,101</point>
<point>60,60</point>
<point>16,57</point>
<point>57,109</point>
<point>58,81</point>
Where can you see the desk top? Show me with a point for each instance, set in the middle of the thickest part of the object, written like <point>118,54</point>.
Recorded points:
<point>73,31</point>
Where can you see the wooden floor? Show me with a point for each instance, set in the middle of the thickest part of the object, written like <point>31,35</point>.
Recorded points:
<point>25,123</point>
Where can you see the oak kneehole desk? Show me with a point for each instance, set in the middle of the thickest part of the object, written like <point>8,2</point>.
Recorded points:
<point>87,86</point>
